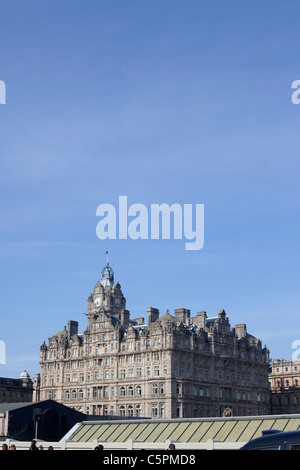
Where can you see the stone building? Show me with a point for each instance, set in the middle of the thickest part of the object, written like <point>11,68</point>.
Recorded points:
<point>284,379</point>
<point>168,366</point>
<point>16,390</point>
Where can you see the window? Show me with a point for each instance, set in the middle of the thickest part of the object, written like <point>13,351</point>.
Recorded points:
<point>138,390</point>
<point>270,447</point>
<point>122,410</point>
<point>67,395</point>
<point>154,410</point>
<point>122,392</point>
<point>295,447</point>
<point>138,410</point>
<point>80,393</point>
<point>74,394</point>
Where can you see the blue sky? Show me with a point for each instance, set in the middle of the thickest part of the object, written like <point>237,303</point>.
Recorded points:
<point>162,101</point>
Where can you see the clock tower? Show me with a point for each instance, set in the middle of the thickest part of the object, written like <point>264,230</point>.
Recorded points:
<point>107,298</point>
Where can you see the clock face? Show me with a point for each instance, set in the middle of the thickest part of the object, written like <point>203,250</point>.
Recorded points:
<point>97,301</point>
<point>117,302</point>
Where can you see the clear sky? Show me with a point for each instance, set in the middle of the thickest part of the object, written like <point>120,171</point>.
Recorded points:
<point>171,101</point>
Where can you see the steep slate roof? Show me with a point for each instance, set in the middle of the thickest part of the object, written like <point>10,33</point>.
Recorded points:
<point>239,429</point>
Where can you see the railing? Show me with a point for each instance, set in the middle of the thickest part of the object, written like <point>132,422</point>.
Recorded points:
<point>211,444</point>
<point>14,433</point>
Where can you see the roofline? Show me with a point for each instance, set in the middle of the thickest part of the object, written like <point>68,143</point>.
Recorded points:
<point>184,420</point>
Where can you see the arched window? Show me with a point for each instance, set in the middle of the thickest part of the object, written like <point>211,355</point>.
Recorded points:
<point>122,410</point>
<point>138,390</point>
<point>80,393</point>
<point>138,410</point>
<point>67,395</point>
<point>122,391</point>
<point>130,391</point>
<point>130,410</point>
<point>74,394</point>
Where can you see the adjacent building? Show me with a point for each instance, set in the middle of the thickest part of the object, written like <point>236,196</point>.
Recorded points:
<point>16,390</point>
<point>164,366</point>
<point>284,381</point>
<point>46,420</point>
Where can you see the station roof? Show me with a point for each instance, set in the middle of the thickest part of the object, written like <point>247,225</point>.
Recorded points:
<point>238,429</point>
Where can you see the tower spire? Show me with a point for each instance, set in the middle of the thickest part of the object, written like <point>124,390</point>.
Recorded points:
<point>107,275</point>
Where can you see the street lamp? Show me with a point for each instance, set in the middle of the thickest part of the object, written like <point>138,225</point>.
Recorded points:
<point>37,415</point>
